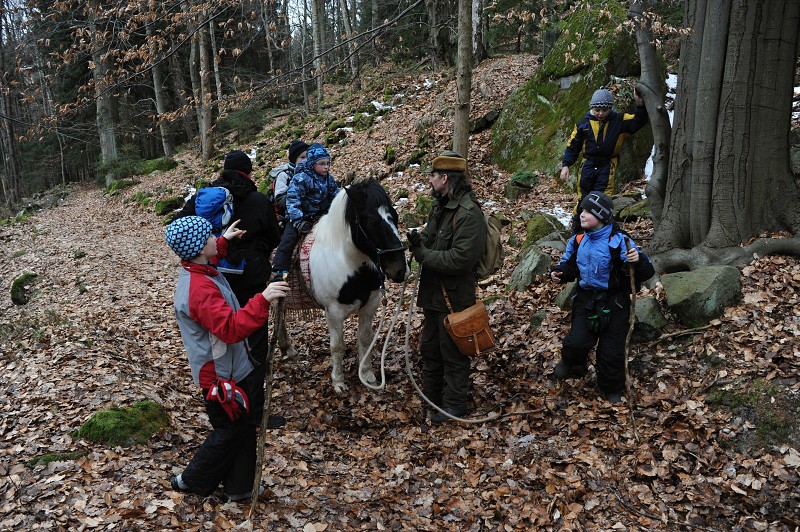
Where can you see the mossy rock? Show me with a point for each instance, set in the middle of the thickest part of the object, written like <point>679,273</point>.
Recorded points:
<point>21,288</point>
<point>536,319</point>
<point>634,211</point>
<point>531,132</point>
<point>168,205</point>
<point>120,184</point>
<point>153,165</point>
<point>539,226</point>
<point>418,157</point>
<point>411,219</point>
<point>124,426</point>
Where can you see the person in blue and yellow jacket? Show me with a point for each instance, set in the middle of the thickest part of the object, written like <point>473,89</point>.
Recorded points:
<point>599,137</point>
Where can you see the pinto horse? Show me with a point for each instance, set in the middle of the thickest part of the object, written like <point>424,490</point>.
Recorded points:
<point>355,245</point>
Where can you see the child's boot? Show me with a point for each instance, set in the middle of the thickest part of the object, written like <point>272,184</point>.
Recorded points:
<point>565,371</point>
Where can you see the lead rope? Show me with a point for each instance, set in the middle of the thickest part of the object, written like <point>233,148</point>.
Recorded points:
<point>361,364</point>
<point>407,350</point>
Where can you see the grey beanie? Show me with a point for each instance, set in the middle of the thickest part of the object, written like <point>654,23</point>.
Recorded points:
<point>602,98</point>
<point>187,236</point>
<point>600,206</point>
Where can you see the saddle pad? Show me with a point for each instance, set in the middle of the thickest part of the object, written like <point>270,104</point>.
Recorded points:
<point>300,297</point>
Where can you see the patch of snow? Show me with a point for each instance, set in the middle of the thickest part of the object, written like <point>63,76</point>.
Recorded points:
<point>562,215</point>
<point>380,106</point>
<point>672,83</point>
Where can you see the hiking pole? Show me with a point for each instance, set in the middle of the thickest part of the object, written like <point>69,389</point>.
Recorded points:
<point>631,324</point>
<point>262,436</point>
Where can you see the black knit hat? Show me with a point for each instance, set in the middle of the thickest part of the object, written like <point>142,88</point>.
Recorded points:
<point>599,205</point>
<point>295,149</point>
<point>239,161</point>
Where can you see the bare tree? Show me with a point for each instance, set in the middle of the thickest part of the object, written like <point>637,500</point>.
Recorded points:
<point>318,28</point>
<point>104,99</point>
<point>463,78</point>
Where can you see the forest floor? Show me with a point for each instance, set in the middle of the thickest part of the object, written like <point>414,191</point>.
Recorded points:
<point>714,445</point>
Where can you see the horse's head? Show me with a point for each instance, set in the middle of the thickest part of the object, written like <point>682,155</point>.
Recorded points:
<point>373,226</point>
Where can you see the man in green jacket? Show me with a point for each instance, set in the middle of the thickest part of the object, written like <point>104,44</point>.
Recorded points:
<point>448,249</point>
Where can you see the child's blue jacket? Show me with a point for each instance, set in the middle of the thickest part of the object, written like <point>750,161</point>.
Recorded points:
<point>594,261</point>
<point>309,194</point>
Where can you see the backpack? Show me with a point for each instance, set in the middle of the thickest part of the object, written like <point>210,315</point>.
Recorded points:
<point>215,204</point>
<point>279,203</point>
<point>492,258</point>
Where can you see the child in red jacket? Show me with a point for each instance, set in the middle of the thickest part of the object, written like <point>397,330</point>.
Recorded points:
<point>214,328</point>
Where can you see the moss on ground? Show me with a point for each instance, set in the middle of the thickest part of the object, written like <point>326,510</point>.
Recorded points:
<point>45,459</point>
<point>124,426</point>
<point>771,408</point>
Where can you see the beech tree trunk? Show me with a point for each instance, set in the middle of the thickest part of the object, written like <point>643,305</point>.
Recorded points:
<point>158,90</point>
<point>9,175</point>
<point>729,176</point>
<point>463,79</point>
<point>318,27</point>
<point>104,100</point>
<point>652,89</point>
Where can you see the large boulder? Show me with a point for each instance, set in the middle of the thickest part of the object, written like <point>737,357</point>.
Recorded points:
<point>650,321</point>
<point>532,130</point>
<point>564,298</point>
<point>533,262</point>
<point>539,226</point>
<point>698,296</point>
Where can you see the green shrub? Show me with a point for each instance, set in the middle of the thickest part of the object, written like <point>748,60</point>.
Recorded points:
<point>124,426</point>
<point>168,205</point>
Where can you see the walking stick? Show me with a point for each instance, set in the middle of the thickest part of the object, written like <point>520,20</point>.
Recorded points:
<point>631,323</point>
<point>262,436</point>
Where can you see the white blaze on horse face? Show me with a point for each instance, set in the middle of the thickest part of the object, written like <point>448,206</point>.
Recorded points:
<point>387,217</point>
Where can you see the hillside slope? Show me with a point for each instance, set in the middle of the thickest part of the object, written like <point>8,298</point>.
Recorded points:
<point>99,331</point>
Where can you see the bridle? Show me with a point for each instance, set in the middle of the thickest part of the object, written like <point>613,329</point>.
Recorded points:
<point>375,256</point>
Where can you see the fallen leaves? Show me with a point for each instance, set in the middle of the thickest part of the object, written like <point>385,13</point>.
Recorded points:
<point>368,460</point>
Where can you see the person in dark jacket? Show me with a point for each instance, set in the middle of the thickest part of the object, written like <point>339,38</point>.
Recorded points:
<point>599,259</point>
<point>309,197</point>
<point>257,218</point>
<point>599,137</point>
<point>448,249</point>
<point>213,328</point>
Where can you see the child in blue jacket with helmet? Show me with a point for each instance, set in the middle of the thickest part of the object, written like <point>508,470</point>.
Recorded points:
<point>599,259</point>
<point>309,197</point>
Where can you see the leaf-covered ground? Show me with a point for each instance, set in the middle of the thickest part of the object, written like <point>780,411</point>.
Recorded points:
<point>99,332</point>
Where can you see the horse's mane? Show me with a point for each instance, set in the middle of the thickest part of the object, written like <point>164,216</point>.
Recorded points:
<point>363,196</point>
<point>333,228</point>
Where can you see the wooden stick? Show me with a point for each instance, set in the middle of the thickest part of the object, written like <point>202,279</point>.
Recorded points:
<point>631,324</point>
<point>262,436</point>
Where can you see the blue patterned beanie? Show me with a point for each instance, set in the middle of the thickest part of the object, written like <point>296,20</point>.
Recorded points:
<point>187,236</point>
<point>316,152</point>
<point>602,98</point>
